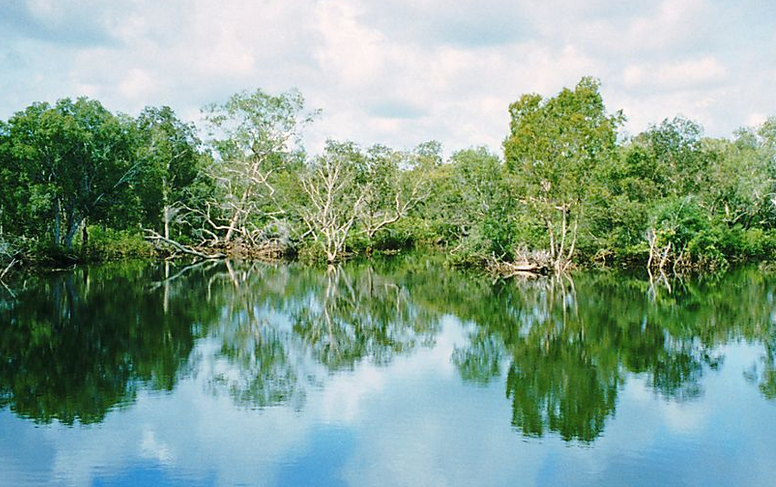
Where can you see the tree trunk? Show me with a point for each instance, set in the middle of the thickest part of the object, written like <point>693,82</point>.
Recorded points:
<point>166,207</point>
<point>236,218</point>
<point>73,225</point>
<point>85,236</point>
<point>57,217</point>
<point>167,221</point>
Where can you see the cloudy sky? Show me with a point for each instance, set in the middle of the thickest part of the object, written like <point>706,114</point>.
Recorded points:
<point>398,72</point>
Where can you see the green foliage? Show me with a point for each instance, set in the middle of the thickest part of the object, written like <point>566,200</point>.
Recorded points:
<point>407,233</point>
<point>471,252</point>
<point>73,170</point>
<point>76,153</point>
<point>554,149</point>
<point>170,162</point>
<point>678,220</point>
<point>473,207</point>
<point>110,244</point>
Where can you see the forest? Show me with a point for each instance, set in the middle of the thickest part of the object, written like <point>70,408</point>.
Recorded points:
<point>81,183</point>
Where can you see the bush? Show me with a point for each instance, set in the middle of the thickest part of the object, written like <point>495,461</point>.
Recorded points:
<point>748,244</point>
<point>704,252</point>
<point>472,251</point>
<point>682,219</point>
<point>311,252</point>
<point>110,244</point>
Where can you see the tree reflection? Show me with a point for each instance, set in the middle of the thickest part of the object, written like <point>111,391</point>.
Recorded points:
<point>764,373</point>
<point>75,345</point>
<point>257,362</point>
<point>288,327</point>
<point>568,352</point>
<point>356,315</point>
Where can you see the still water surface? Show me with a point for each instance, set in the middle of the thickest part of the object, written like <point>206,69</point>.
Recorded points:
<point>389,373</point>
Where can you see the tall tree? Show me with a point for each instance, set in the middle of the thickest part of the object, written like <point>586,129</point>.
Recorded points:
<point>676,148</point>
<point>169,152</point>
<point>335,193</point>
<point>553,147</point>
<point>78,155</point>
<point>395,182</point>
<point>253,135</point>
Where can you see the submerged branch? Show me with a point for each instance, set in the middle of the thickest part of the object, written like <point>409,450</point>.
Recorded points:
<point>4,273</point>
<point>8,268</point>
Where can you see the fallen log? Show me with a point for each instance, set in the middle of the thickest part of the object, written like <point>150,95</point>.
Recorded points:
<point>152,235</point>
<point>522,268</point>
<point>525,267</point>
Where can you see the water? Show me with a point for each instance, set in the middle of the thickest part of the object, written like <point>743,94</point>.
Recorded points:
<point>391,373</point>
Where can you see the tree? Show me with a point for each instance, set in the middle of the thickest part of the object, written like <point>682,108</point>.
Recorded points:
<point>77,156</point>
<point>486,204</point>
<point>335,194</point>
<point>253,135</point>
<point>7,181</point>
<point>394,183</point>
<point>553,148</point>
<point>169,154</point>
<point>25,204</point>
<point>767,143</point>
<point>676,147</point>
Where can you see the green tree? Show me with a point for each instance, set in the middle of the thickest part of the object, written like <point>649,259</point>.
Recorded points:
<point>487,202</point>
<point>677,149</point>
<point>78,159</point>
<point>169,153</point>
<point>553,150</point>
<point>6,180</point>
<point>395,182</point>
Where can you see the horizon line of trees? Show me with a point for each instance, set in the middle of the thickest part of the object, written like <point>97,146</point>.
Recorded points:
<point>80,180</point>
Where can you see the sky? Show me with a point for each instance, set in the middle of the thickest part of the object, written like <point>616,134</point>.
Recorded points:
<point>398,72</point>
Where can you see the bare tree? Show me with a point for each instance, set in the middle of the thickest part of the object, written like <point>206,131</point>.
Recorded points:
<point>253,136</point>
<point>8,259</point>
<point>334,197</point>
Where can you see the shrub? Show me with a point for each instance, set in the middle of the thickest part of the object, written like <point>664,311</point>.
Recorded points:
<point>110,244</point>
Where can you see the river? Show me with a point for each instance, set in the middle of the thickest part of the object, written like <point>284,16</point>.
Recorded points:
<point>390,372</point>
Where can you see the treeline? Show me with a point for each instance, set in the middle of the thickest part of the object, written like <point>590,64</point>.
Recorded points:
<point>81,182</point>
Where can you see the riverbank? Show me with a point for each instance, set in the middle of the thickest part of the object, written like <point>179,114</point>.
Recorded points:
<point>114,246</point>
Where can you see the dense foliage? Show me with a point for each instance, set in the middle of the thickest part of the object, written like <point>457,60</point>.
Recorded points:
<point>569,187</point>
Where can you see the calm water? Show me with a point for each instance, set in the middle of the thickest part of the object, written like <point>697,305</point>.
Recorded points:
<point>393,373</point>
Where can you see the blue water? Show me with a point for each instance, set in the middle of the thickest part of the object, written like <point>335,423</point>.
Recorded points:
<point>280,385</point>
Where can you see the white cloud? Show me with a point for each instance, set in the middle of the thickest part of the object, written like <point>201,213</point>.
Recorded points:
<point>671,25</point>
<point>153,449</point>
<point>350,53</point>
<point>401,72</point>
<point>138,83</point>
<point>756,119</point>
<point>694,73</point>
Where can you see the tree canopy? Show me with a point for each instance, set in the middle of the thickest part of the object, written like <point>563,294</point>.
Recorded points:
<point>569,189</point>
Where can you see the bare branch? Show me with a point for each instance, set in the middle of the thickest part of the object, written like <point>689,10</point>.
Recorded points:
<point>152,235</point>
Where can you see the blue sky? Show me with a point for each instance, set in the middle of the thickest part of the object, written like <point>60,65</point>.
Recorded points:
<point>398,72</point>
